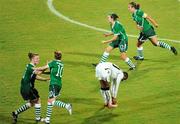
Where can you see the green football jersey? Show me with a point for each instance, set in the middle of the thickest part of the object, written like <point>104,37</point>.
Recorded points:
<point>119,30</point>
<point>56,71</point>
<point>28,78</point>
<point>138,17</point>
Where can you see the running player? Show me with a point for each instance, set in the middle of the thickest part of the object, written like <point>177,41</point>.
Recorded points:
<point>146,30</point>
<point>56,70</point>
<point>28,92</point>
<point>119,40</point>
<point>106,72</point>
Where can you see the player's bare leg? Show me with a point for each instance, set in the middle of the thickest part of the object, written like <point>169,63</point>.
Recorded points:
<point>124,57</point>
<point>161,44</point>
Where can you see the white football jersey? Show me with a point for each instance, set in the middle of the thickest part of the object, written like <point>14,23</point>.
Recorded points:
<point>107,71</point>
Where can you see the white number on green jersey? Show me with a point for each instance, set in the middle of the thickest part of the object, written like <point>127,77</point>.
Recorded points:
<point>60,71</point>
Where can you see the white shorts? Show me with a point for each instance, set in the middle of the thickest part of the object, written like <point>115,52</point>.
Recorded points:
<point>103,73</point>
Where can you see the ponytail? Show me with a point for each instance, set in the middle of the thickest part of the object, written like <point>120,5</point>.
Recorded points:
<point>135,5</point>
<point>114,16</point>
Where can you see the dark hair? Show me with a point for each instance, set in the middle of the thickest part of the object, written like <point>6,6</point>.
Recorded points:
<point>114,16</point>
<point>31,55</point>
<point>135,5</point>
<point>125,76</point>
<point>58,55</point>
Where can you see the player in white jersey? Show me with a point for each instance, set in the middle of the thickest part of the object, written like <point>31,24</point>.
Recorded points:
<point>107,72</point>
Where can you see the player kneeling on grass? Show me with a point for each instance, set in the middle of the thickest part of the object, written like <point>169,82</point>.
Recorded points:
<point>56,71</point>
<point>28,92</point>
<point>107,72</point>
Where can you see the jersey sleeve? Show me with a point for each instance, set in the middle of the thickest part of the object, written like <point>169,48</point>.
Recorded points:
<point>117,29</point>
<point>141,14</point>
<point>50,64</point>
<point>30,70</point>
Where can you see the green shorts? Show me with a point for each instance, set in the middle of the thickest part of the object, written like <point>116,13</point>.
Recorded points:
<point>31,94</point>
<point>121,44</point>
<point>54,91</point>
<point>146,35</point>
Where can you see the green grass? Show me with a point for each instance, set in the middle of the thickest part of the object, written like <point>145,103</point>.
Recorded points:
<point>150,96</point>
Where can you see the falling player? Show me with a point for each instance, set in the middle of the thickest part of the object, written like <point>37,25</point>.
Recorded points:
<point>146,30</point>
<point>106,72</point>
<point>28,92</point>
<point>119,40</point>
<point>56,71</point>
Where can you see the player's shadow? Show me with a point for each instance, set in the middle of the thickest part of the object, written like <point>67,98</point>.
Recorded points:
<point>156,60</point>
<point>150,102</point>
<point>101,116</point>
<point>115,57</point>
<point>87,101</point>
<point>8,119</point>
<point>78,63</point>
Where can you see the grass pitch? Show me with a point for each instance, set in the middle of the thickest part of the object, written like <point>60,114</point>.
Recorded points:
<point>150,96</point>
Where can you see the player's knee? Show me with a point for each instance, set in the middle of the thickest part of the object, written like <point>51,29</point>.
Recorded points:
<point>154,44</point>
<point>123,56</point>
<point>35,101</point>
<point>37,105</point>
<point>139,43</point>
<point>51,101</point>
<point>29,104</point>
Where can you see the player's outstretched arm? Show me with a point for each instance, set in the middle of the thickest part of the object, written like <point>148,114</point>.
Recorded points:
<point>108,34</point>
<point>111,40</point>
<point>46,72</point>
<point>42,78</point>
<point>43,68</point>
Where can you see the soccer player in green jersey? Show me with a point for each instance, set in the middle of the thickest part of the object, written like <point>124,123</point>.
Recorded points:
<point>56,71</point>
<point>146,30</point>
<point>119,40</point>
<point>28,92</point>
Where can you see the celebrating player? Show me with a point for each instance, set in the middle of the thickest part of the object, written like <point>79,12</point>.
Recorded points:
<point>106,72</point>
<point>146,30</point>
<point>119,40</point>
<point>28,92</point>
<point>56,70</point>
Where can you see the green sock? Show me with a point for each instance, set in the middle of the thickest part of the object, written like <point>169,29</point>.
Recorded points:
<point>104,57</point>
<point>37,111</point>
<point>164,45</point>
<point>23,108</point>
<point>60,104</point>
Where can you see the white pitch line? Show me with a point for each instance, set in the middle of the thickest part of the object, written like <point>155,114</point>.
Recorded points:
<point>58,14</point>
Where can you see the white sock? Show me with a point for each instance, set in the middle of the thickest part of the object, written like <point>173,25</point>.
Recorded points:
<point>108,96</point>
<point>117,83</point>
<point>104,96</point>
<point>113,86</point>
